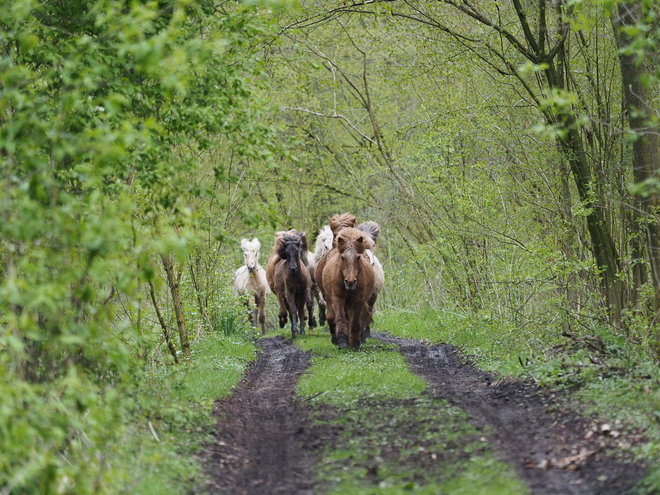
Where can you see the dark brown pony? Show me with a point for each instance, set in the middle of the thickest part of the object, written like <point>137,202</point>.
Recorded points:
<point>293,283</point>
<point>348,280</point>
<point>274,257</point>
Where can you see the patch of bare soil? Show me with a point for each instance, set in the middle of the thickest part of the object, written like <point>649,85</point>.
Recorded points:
<point>263,442</point>
<point>553,451</point>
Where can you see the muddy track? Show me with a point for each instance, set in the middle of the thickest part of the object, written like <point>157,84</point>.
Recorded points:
<point>266,444</point>
<point>262,440</point>
<point>523,431</point>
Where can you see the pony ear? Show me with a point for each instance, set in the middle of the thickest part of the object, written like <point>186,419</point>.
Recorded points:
<point>256,244</point>
<point>245,244</point>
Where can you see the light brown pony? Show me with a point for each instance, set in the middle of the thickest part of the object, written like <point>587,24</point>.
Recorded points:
<point>337,223</point>
<point>293,283</point>
<point>348,281</point>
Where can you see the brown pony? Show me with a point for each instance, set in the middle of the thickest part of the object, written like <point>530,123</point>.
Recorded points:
<point>293,283</point>
<point>337,223</point>
<point>348,280</point>
<point>274,257</point>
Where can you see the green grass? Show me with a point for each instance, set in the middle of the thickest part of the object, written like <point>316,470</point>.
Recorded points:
<point>376,371</point>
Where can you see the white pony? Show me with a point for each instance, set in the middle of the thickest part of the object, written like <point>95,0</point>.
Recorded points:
<point>252,276</point>
<point>373,230</point>
<point>323,245</point>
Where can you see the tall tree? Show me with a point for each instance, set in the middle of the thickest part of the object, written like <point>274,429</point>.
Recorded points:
<point>638,98</point>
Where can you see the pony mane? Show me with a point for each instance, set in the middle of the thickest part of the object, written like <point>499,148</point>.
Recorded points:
<point>279,235</point>
<point>370,228</point>
<point>339,222</point>
<point>290,239</point>
<point>354,238</point>
<point>253,244</point>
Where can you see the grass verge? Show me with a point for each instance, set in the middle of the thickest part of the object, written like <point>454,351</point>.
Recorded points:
<point>176,414</point>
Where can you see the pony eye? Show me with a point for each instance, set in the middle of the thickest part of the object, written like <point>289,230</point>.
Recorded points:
<point>358,258</point>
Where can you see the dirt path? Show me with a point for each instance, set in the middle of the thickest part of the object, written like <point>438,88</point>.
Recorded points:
<point>265,443</point>
<point>549,450</point>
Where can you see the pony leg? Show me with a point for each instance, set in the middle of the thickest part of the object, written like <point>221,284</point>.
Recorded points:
<point>261,306</point>
<point>355,329</point>
<point>255,310</point>
<point>293,313</point>
<point>283,310</point>
<point>309,302</point>
<point>367,330</point>
<point>316,294</point>
<point>322,309</point>
<point>341,328</point>
<point>301,315</point>
<point>331,324</point>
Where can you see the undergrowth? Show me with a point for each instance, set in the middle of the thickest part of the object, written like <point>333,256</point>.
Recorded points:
<point>176,408</point>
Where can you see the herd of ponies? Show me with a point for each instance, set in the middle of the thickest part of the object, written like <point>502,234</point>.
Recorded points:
<point>343,275</point>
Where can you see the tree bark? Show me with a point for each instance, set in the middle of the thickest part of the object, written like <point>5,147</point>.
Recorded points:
<point>173,282</point>
<point>163,325</point>
<point>646,145</point>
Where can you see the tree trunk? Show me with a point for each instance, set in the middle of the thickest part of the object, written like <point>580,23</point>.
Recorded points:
<point>178,307</point>
<point>646,145</point>
<point>602,244</point>
<point>163,325</point>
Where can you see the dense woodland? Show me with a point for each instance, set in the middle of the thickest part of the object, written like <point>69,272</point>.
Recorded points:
<point>508,150</point>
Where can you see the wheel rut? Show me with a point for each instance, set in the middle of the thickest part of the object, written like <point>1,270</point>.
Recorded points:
<point>548,449</point>
<point>263,440</point>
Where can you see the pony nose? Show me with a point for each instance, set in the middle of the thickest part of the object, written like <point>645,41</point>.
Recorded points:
<point>293,268</point>
<point>250,268</point>
<point>350,285</point>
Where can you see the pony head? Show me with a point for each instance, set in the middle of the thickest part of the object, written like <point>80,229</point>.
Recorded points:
<point>289,249</point>
<point>251,253</point>
<point>324,240</point>
<point>352,245</point>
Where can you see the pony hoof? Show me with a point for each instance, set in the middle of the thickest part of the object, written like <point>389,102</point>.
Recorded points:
<point>312,323</point>
<point>302,332</point>
<point>341,343</point>
<point>282,322</point>
<point>333,339</point>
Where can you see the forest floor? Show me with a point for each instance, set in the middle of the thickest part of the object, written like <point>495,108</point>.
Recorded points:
<point>269,439</point>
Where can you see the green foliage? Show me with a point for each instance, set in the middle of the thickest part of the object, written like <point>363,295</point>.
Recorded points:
<point>105,108</point>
